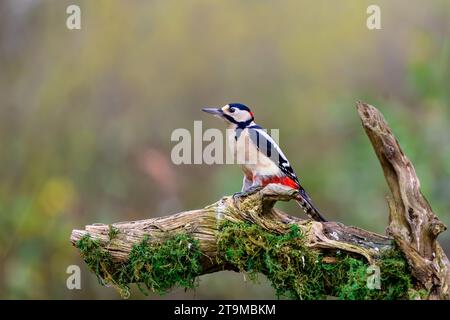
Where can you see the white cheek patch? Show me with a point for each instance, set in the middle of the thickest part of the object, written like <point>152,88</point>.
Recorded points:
<point>242,116</point>
<point>238,115</point>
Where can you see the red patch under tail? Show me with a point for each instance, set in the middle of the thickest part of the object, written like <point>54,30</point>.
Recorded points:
<point>286,181</point>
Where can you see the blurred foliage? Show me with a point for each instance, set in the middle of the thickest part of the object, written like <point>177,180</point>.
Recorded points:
<point>86,116</point>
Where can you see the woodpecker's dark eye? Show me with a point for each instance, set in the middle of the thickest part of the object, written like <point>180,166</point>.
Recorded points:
<point>231,110</point>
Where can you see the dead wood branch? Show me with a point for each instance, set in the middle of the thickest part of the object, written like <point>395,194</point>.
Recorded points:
<point>413,225</point>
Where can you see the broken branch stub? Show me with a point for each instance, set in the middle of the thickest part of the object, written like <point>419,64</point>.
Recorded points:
<point>412,223</point>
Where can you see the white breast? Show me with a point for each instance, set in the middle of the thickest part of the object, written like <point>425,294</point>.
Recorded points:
<point>246,154</point>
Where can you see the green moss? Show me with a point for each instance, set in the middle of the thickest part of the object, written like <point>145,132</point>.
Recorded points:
<point>98,260</point>
<point>349,278</point>
<point>294,270</point>
<point>113,232</point>
<point>160,267</point>
<point>157,266</point>
<point>298,272</point>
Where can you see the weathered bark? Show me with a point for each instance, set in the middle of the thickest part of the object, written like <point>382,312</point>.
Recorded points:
<point>413,225</point>
<point>257,208</point>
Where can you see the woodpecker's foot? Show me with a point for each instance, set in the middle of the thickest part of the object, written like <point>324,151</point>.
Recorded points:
<point>246,193</point>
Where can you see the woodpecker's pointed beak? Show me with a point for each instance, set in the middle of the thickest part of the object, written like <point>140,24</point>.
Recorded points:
<point>214,111</point>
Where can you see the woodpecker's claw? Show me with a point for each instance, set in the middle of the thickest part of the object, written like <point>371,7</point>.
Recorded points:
<point>238,195</point>
<point>235,196</point>
<point>246,193</point>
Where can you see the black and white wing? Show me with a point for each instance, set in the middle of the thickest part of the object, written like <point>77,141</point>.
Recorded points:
<point>270,148</point>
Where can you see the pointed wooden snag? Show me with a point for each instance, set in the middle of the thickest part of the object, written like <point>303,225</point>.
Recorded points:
<point>412,222</point>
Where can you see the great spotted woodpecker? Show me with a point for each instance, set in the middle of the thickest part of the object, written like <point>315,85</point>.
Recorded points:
<point>261,158</point>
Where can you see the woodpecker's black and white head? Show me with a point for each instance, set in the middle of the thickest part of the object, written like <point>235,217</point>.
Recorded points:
<point>235,114</point>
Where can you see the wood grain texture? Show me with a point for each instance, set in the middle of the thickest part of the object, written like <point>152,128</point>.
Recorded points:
<point>412,222</point>
<point>256,208</point>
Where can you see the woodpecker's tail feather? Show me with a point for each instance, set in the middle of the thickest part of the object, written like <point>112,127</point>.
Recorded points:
<point>304,201</point>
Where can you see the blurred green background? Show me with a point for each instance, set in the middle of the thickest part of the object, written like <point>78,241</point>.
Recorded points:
<point>86,116</point>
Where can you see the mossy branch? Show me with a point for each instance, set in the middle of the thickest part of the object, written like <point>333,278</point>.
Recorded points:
<point>303,259</point>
